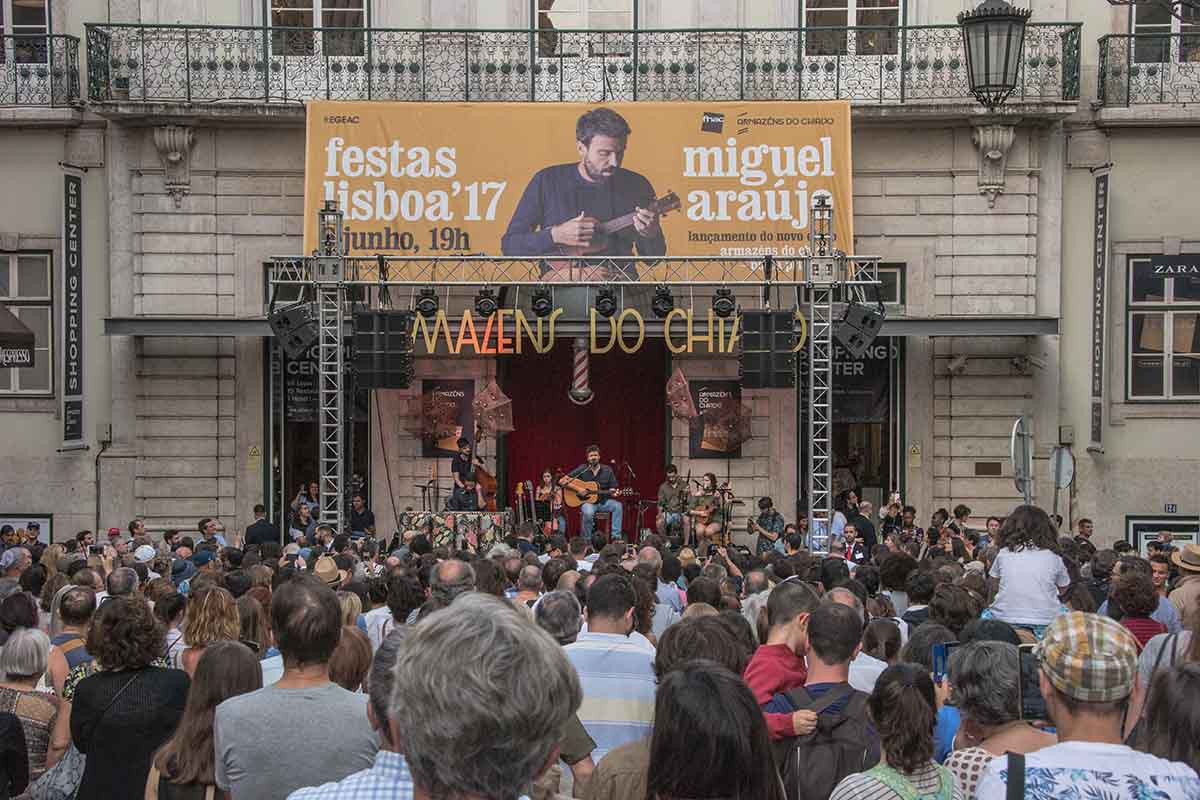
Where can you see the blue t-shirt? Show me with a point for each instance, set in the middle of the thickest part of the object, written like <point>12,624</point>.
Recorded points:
<point>948,720</point>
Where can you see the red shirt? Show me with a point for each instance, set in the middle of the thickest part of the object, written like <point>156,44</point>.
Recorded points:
<point>774,668</point>
<point>1142,628</point>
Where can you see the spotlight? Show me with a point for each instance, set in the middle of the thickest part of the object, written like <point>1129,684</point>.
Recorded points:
<point>542,304</point>
<point>485,302</point>
<point>606,302</point>
<point>722,304</point>
<point>663,302</point>
<point>427,302</point>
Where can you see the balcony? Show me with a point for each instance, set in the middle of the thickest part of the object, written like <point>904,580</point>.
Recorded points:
<point>1140,69</point>
<point>39,71</point>
<point>172,64</point>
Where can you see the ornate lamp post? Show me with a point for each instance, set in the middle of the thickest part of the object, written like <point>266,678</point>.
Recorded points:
<point>993,40</point>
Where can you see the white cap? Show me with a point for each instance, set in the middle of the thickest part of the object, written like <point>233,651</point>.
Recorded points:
<point>144,554</point>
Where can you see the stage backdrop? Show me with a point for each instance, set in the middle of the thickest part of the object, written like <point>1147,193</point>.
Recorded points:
<point>440,179</point>
<point>627,417</point>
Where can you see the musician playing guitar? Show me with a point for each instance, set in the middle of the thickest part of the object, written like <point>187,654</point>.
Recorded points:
<point>672,503</point>
<point>707,510</point>
<point>564,206</point>
<point>606,481</point>
<point>463,467</point>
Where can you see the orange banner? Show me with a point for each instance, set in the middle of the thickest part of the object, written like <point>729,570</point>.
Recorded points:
<point>553,181</point>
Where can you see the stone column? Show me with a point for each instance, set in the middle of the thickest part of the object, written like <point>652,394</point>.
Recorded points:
<point>119,464</point>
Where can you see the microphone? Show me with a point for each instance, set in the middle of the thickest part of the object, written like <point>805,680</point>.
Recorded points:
<point>632,474</point>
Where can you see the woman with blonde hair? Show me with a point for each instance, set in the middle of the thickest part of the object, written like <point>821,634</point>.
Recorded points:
<point>351,607</point>
<point>212,616</point>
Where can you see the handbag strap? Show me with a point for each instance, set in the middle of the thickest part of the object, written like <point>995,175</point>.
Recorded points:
<point>1015,785</point>
<point>116,696</point>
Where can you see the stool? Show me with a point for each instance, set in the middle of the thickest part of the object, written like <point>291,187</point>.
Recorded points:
<point>603,522</point>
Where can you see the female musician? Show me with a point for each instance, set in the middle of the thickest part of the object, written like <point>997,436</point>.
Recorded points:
<point>707,511</point>
<point>548,503</point>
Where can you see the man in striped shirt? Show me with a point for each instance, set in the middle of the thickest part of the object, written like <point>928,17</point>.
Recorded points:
<point>616,673</point>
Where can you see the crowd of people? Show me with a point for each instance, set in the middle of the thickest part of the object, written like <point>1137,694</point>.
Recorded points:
<point>905,663</point>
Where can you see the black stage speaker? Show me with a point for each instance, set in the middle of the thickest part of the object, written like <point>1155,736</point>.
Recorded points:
<point>767,360</point>
<point>858,328</point>
<point>295,327</point>
<point>383,355</point>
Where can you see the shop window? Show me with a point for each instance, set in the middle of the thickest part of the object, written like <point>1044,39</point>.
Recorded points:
<point>24,24</point>
<point>1163,36</point>
<point>26,289</point>
<point>1163,323</point>
<point>855,27</point>
<point>339,23</point>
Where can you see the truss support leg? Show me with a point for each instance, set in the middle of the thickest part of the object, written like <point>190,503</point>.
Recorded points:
<point>330,369</point>
<point>820,417</point>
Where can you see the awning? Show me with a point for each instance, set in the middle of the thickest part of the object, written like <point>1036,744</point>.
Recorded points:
<point>16,341</point>
<point>892,326</point>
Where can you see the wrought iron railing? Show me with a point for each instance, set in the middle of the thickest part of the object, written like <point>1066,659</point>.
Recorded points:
<point>194,64</point>
<point>1149,68</point>
<point>39,70</point>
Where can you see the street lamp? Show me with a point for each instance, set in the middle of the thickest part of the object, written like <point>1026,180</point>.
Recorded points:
<point>993,37</point>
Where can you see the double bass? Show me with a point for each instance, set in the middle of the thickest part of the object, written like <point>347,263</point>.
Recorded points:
<point>487,484</point>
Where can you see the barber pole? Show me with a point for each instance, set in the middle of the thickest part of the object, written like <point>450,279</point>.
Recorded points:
<point>581,393</point>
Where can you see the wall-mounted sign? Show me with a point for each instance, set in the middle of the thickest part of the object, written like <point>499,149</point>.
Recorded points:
<point>1099,309</point>
<point>72,304</point>
<point>707,439</point>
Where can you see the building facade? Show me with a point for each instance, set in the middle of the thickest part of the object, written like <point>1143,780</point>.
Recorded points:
<point>188,118</point>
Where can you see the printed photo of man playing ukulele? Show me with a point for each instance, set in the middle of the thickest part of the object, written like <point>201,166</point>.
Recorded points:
<point>591,207</point>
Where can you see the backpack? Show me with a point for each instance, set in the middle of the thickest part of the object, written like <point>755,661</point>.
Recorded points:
<point>900,786</point>
<point>811,766</point>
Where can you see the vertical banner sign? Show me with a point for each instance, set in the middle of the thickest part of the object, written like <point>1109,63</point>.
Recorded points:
<point>72,335</point>
<point>1099,306</point>
<point>704,439</point>
<point>458,397</point>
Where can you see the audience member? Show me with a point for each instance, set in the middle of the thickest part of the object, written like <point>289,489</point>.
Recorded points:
<point>22,665</point>
<point>185,766</point>
<point>126,710</point>
<point>1087,665</point>
<point>615,673</point>
<point>985,676</point>
<point>329,736</point>
<point>903,711</point>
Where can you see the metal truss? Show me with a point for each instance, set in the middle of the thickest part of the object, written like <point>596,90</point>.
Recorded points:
<point>823,274</point>
<point>409,271</point>
<point>820,416</point>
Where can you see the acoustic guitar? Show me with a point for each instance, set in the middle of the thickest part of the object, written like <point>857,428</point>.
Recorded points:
<point>577,491</point>
<point>601,241</point>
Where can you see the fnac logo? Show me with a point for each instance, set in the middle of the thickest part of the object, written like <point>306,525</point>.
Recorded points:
<point>712,122</point>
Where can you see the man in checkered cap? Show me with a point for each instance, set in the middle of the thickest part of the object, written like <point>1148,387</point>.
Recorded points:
<point>1087,665</point>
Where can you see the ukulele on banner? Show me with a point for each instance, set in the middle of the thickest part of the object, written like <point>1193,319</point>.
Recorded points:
<point>561,270</point>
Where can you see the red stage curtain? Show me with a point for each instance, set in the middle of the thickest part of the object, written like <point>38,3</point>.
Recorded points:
<point>627,417</point>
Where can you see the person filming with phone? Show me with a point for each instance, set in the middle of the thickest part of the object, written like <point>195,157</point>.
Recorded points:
<point>1087,665</point>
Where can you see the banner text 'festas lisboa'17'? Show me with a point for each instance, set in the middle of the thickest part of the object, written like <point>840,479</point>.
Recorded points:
<point>735,180</point>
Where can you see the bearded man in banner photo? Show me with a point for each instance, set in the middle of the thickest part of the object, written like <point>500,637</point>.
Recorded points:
<point>592,207</point>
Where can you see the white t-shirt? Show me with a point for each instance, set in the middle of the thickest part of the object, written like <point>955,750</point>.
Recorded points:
<point>864,671</point>
<point>1092,769</point>
<point>377,620</point>
<point>1029,584</point>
